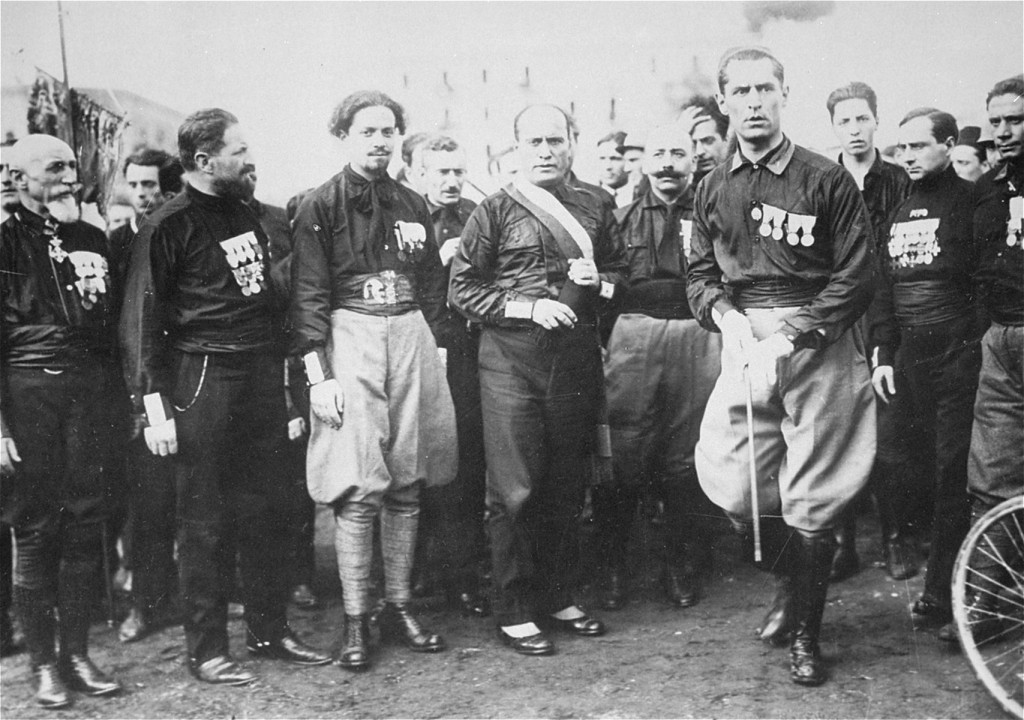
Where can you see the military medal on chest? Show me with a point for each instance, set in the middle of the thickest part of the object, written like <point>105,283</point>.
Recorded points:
<point>245,257</point>
<point>410,238</point>
<point>685,235</point>
<point>1015,225</point>
<point>779,224</point>
<point>914,242</point>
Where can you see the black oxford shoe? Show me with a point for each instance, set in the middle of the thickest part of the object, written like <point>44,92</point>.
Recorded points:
<point>49,688</point>
<point>584,626</point>
<point>288,647</point>
<point>135,626</point>
<point>537,644</point>
<point>680,587</point>
<point>397,625</point>
<point>928,612</point>
<point>81,675</point>
<point>805,664</point>
<point>221,670</point>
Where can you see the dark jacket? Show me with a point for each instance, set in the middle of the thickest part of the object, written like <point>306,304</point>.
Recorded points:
<point>1000,242</point>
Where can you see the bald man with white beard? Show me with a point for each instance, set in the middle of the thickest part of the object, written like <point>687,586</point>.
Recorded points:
<point>57,335</point>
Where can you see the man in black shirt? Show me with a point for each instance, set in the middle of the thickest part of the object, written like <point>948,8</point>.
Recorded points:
<point>57,339</point>
<point>782,266</point>
<point>200,330</point>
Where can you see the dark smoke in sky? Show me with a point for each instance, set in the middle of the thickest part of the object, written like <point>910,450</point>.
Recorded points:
<point>759,14</point>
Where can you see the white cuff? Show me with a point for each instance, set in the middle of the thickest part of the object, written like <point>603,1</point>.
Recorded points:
<point>519,310</point>
<point>607,290</point>
<point>155,414</point>
<point>314,372</point>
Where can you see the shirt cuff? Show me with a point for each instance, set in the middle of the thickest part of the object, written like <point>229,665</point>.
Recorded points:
<point>158,409</point>
<point>317,366</point>
<point>518,310</point>
<point>607,290</point>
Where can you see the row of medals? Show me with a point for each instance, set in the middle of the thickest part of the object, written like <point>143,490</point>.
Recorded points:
<point>246,264</point>
<point>798,228</point>
<point>914,242</point>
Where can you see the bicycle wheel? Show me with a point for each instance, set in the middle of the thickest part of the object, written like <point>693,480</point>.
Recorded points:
<point>988,602</point>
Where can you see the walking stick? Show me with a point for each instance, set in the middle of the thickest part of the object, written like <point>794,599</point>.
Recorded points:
<point>753,466</point>
<point>107,580</point>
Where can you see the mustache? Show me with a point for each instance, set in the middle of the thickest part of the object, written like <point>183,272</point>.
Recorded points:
<point>667,173</point>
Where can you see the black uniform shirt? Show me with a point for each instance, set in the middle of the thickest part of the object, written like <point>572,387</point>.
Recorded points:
<point>790,230</point>
<point>999,229</point>
<point>885,187</point>
<point>507,254</point>
<point>198,281</point>
<point>120,245</point>
<point>59,303</point>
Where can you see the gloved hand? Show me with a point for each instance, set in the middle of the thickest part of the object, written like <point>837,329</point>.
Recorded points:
<point>162,439</point>
<point>327,401</point>
<point>296,428</point>
<point>737,337</point>
<point>763,360</point>
<point>884,382</point>
<point>8,456</point>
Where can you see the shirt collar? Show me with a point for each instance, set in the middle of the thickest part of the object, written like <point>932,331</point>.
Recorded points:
<point>776,160</point>
<point>134,223</point>
<point>685,201</point>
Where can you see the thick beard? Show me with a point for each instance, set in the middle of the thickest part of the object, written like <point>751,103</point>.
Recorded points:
<point>235,188</point>
<point>64,210</point>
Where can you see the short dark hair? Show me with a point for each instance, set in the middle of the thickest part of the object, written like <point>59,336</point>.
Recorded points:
<point>570,124</point>
<point>943,124</point>
<point>748,52</point>
<point>854,91</point>
<point>345,112</point>
<point>410,144</point>
<point>1010,86</point>
<point>169,169</point>
<point>979,152</point>
<point>709,107</point>
<point>618,137</point>
<point>441,143</point>
<point>203,131</point>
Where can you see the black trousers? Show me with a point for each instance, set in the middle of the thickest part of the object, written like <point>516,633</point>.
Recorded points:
<point>539,394</point>
<point>300,514</point>
<point>230,489</point>
<point>941,362</point>
<point>451,516</point>
<point>149,531</point>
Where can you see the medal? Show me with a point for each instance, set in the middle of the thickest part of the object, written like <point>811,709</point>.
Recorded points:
<point>756,213</point>
<point>765,230</point>
<point>777,233</point>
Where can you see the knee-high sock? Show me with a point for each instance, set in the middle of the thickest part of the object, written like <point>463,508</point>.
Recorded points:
<point>353,543</point>
<point>399,523</point>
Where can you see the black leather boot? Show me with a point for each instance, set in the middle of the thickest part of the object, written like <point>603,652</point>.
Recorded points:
<point>812,564</point>
<point>777,551</point>
<point>397,625</point>
<point>614,508</point>
<point>845,562</point>
<point>779,621</point>
<point>900,549</point>
<point>355,651</point>
<point>35,611</point>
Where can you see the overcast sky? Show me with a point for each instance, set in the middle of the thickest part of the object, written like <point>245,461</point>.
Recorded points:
<point>282,66</point>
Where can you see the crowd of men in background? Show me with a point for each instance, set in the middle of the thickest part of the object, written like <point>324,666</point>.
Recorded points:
<point>465,376</point>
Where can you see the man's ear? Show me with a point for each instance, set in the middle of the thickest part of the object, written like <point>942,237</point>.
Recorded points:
<point>785,95</point>
<point>720,99</point>
<point>18,177</point>
<point>203,161</point>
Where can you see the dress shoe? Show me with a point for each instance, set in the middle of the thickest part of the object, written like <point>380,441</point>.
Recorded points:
<point>81,675</point>
<point>470,604</point>
<point>779,621</point>
<point>948,633</point>
<point>845,563</point>
<point>287,647</point>
<point>397,625</point>
<point>615,584</point>
<point>805,664</point>
<point>355,651</point>
<point>135,626</point>
<point>928,612</point>
<point>584,625</point>
<point>900,559</point>
<point>221,670</point>
<point>537,644</point>
<point>49,688</point>
<point>680,587</point>
<point>303,597</point>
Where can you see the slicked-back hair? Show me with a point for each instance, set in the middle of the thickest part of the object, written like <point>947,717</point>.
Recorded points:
<point>943,124</point>
<point>345,112</point>
<point>854,91</point>
<point>617,138</point>
<point>709,107</point>
<point>1010,86</point>
<point>169,169</point>
<point>441,143</point>
<point>571,129</point>
<point>748,52</point>
<point>146,157</point>
<point>203,131</point>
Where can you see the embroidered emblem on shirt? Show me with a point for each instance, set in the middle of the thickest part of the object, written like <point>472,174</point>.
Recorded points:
<point>410,238</point>
<point>914,242</point>
<point>245,256</point>
<point>92,272</point>
<point>918,213</point>
<point>685,235</point>
<point>777,223</point>
<point>1015,225</point>
<point>380,290</point>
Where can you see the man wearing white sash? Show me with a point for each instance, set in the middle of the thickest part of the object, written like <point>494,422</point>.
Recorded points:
<point>535,262</point>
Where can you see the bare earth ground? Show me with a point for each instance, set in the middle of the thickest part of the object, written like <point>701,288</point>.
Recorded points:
<point>656,661</point>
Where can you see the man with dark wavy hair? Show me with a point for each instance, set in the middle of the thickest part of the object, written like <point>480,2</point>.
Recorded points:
<point>200,333</point>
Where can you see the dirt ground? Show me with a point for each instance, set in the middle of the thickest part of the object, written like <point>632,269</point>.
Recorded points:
<point>656,661</point>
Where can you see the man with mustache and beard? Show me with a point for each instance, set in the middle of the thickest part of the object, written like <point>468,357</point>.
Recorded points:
<point>660,370</point>
<point>200,333</point>
<point>367,303</point>
<point>58,336</point>
<point>782,266</point>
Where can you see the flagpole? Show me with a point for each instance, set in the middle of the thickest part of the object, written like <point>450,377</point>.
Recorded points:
<point>68,103</point>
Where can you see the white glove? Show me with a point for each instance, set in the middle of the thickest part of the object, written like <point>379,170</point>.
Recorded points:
<point>763,360</point>
<point>448,249</point>
<point>162,439</point>
<point>884,382</point>
<point>737,337</point>
<point>327,402</point>
<point>296,428</point>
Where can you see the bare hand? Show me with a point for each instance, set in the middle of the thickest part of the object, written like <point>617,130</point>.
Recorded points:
<point>296,428</point>
<point>584,272</point>
<point>8,456</point>
<point>327,401</point>
<point>550,314</point>
<point>162,439</point>
<point>884,382</point>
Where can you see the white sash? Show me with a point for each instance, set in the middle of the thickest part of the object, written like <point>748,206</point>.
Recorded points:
<point>550,204</point>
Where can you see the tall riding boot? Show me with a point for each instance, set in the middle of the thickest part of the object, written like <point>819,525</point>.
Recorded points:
<point>353,542</point>
<point>777,549</point>
<point>398,525</point>
<point>901,561</point>
<point>680,579</point>
<point>614,508</point>
<point>35,613</point>
<point>845,562</point>
<point>77,588</point>
<point>812,563</point>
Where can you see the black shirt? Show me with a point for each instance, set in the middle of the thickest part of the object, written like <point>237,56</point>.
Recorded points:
<point>999,230</point>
